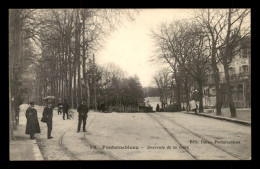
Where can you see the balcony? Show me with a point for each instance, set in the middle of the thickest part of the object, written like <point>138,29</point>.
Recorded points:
<point>236,77</point>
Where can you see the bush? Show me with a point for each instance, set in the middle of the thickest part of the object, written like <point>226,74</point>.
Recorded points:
<point>171,108</point>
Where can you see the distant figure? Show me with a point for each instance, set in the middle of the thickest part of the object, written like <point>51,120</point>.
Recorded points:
<point>183,108</point>
<point>98,107</point>
<point>103,107</point>
<point>65,108</point>
<point>157,108</point>
<point>59,108</point>
<point>32,124</point>
<point>17,111</point>
<point>48,112</point>
<point>83,114</point>
<point>196,109</point>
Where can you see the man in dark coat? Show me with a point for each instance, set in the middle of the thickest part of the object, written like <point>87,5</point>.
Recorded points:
<point>48,112</point>
<point>157,108</point>
<point>103,107</point>
<point>83,114</point>
<point>59,108</point>
<point>65,108</point>
<point>32,125</point>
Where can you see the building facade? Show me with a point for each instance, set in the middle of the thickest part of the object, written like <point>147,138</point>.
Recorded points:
<point>240,78</point>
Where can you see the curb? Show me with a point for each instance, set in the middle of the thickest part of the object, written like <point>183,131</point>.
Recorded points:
<point>36,151</point>
<point>246,123</point>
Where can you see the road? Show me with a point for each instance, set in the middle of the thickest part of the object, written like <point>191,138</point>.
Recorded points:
<point>142,136</point>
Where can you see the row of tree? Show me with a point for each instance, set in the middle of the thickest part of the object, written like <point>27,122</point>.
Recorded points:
<point>194,48</point>
<point>52,53</point>
<point>115,88</point>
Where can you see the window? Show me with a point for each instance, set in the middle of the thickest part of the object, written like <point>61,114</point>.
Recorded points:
<point>231,71</point>
<point>245,68</point>
<point>244,53</point>
<point>213,92</point>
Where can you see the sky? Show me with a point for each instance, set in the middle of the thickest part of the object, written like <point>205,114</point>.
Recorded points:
<point>131,46</point>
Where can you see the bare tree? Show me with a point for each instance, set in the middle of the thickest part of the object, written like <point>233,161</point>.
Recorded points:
<point>163,82</point>
<point>219,24</point>
<point>182,43</point>
<point>19,36</point>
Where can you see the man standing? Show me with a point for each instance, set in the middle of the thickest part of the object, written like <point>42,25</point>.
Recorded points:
<point>32,125</point>
<point>59,108</point>
<point>83,114</point>
<point>48,112</point>
<point>103,107</point>
<point>65,108</point>
<point>157,108</point>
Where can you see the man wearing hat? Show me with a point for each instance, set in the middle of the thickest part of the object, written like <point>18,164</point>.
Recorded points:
<point>48,112</point>
<point>32,124</point>
<point>65,108</point>
<point>83,114</point>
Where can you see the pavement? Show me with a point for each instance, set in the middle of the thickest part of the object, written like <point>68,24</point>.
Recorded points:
<point>23,148</point>
<point>243,115</point>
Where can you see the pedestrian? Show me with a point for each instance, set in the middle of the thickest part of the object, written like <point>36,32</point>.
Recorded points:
<point>48,113</point>
<point>102,107</point>
<point>83,114</point>
<point>32,124</point>
<point>65,108</point>
<point>157,108</point>
<point>183,108</point>
<point>98,107</point>
<point>196,109</point>
<point>59,108</point>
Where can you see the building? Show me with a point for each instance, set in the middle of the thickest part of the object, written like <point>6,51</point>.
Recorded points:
<point>240,78</point>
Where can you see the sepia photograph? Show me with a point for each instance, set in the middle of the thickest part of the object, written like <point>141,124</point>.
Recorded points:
<point>129,84</point>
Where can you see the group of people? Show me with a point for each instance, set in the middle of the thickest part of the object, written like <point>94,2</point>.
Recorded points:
<point>63,108</point>
<point>33,127</point>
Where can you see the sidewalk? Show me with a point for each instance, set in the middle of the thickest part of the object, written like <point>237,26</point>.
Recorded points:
<point>23,148</point>
<point>243,115</point>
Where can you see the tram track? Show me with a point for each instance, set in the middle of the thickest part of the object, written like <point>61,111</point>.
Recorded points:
<point>201,137</point>
<point>173,136</point>
<point>89,142</point>
<point>100,150</point>
<point>73,155</point>
<point>65,149</point>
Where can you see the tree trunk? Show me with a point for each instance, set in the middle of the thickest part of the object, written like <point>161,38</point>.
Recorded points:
<point>178,91</point>
<point>66,70</point>
<point>216,80</point>
<point>75,65</point>
<point>70,76</point>
<point>77,53</point>
<point>84,57</point>
<point>59,74</point>
<point>88,92</point>
<point>229,93</point>
<point>12,17</point>
<point>187,93</point>
<point>225,63</point>
<point>178,98</point>
<point>200,96</point>
<point>75,85</point>
<point>94,83</point>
